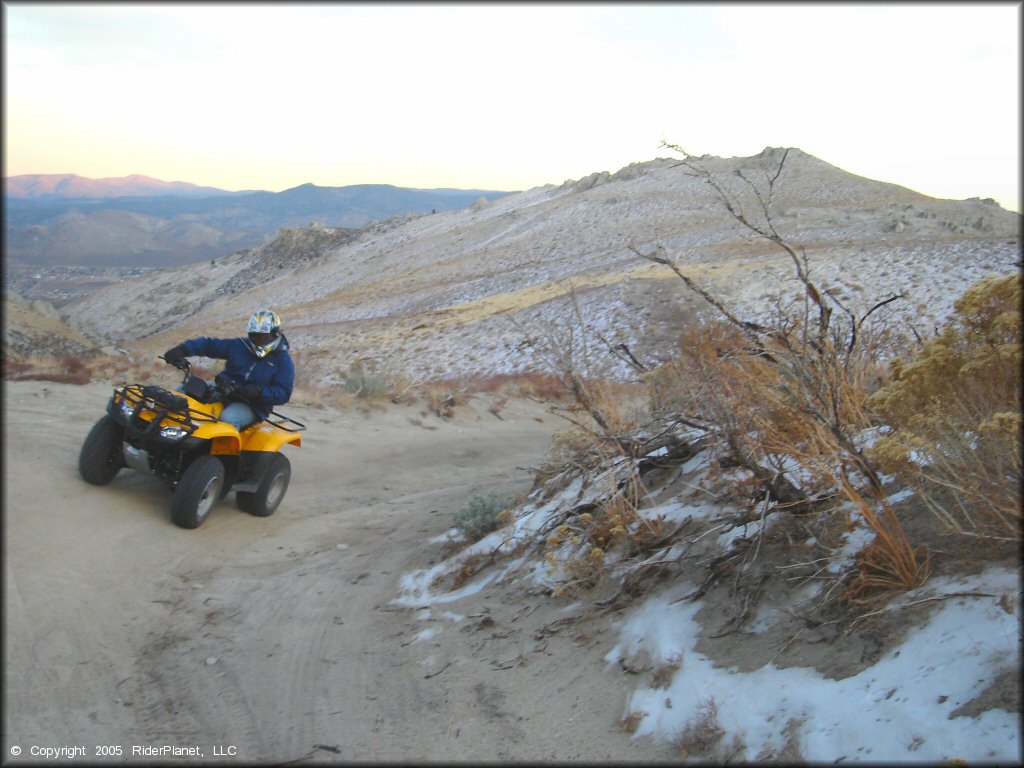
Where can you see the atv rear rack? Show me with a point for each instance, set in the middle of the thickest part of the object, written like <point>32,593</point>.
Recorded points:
<point>299,426</point>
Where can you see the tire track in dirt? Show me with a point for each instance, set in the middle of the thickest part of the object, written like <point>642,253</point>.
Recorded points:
<point>274,635</point>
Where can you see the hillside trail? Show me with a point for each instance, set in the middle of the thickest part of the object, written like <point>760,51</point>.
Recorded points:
<point>277,639</point>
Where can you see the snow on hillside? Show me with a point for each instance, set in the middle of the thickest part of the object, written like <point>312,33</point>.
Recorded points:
<point>457,292</point>
<point>929,694</point>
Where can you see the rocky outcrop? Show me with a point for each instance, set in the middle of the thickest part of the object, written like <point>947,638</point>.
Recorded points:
<point>290,250</point>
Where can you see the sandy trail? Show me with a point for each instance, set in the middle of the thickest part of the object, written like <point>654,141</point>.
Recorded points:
<point>275,639</point>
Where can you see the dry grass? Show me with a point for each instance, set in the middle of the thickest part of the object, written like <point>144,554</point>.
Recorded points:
<point>539,386</point>
<point>663,675</point>
<point>701,733</point>
<point>631,721</point>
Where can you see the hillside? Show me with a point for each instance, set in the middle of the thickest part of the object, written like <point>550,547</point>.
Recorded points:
<point>459,292</point>
<point>745,569</point>
<point>35,328</point>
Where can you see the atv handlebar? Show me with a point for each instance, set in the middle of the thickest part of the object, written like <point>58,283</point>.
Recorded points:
<point>222,388</point>
<point>184,365</point>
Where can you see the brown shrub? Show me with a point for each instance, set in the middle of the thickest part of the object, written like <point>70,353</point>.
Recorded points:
<point>702,732</point>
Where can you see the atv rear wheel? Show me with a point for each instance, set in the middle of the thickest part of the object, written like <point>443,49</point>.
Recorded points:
<point>267,498</point>
<point>101,458</point>
<point>197,492</point>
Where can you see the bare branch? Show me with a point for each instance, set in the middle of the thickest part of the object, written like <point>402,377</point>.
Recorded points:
<point>750,330</point>
<point>879,305</point>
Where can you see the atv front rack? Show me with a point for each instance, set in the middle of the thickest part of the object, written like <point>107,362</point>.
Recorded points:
<point>135,400</point>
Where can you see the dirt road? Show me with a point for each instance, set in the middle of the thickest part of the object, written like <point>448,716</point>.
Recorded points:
<point>275,639</point>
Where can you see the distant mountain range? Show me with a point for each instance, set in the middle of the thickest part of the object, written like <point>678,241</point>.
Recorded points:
<point>55,219</point>
<point>47,186</point>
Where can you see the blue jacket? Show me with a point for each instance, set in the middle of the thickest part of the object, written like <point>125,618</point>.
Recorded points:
<point>275,373</point>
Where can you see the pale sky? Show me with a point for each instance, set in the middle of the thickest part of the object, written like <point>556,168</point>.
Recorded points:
<point>507,96</point>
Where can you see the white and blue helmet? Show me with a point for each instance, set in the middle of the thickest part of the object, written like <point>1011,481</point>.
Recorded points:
<point>264,332</point>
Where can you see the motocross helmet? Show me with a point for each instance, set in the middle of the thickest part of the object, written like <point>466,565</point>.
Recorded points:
<point>264,332</point>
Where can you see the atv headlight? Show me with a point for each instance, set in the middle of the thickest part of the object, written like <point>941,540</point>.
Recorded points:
<point>172,433</point>
<point>127,407</point>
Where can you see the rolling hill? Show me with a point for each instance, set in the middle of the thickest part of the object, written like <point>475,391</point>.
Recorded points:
<point>491,288</point>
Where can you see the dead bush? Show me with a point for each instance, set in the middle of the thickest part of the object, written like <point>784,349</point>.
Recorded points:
<point>702,732</point>
<point>787,397</point>
<point>441,399</point>
<point>608,410</point>
<point>631,721</point>
<point>532,384</point>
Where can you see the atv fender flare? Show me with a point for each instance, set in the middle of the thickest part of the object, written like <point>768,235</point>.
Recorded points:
<point>267,437</point>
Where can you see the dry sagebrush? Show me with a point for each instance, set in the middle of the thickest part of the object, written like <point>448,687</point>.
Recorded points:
<point>955,414</point>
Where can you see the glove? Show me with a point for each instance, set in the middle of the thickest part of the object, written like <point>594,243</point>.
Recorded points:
<point>176,355</point>
<point>225,383</point>
<point>250,391</point>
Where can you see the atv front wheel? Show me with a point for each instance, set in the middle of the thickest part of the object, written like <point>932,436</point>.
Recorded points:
<point>197,492</point>
<point>267,498</point>
<point>101,458</point>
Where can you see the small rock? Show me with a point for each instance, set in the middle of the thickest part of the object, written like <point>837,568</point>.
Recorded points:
<point>211,661</point>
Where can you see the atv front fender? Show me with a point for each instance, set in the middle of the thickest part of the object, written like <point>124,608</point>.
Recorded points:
<point>223,438</point>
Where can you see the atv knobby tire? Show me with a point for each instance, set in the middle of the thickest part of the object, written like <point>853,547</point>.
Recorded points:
<point>198,491</point>
<point>101,457</point>
<point>267,498</point>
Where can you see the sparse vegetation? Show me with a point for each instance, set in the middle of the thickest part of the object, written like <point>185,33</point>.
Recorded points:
<point>701,733</point>
<point>360,382</point>
<point>69,369</point>
<point>599,407</point>
<point>786,408</point>
<point>482,515</point>
<point>631,721</point>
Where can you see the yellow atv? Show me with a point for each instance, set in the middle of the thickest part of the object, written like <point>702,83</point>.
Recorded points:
<point>179,438</point>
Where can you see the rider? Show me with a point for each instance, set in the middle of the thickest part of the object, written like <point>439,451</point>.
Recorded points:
<point>259,372</point>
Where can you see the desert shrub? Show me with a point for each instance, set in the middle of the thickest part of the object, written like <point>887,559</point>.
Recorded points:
<point>787,395</point>
<point>442,398</point>
<point>540,386</point>
<point>481,515</point>
<point>362,383</point>
<point>702,732</point>
<point>955,414</point>
<point>598,406</point>
<point>791,413</point>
